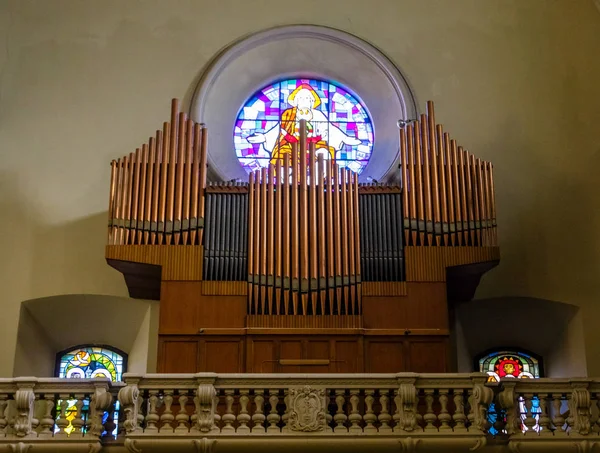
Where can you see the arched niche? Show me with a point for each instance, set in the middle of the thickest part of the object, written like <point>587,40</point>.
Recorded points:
<point>301,51</point>
<point>49,325</point>
<point>551,329</point>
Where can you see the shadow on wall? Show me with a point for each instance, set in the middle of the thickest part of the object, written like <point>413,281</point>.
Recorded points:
<point>51,324</point>
<point>550,329</point>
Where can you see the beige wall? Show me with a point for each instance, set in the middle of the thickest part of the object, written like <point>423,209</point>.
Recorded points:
<point>84,82</point>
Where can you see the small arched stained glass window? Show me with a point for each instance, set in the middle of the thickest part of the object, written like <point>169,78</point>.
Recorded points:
<point>338,124</point>
<point>91,362</point>
<point>509,364</point>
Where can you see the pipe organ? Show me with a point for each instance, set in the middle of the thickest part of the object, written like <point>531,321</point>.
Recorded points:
<point>302,268</point>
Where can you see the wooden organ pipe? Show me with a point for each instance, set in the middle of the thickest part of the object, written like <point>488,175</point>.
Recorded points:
<point>303,217</point>
<point>450,189</point>
<point>111,199</point>
<point>270,244</point>
<point>286,276</point>
<point>279,244</point>
<point>151,157</point>
<point>321,235</point>
<point>312,229</point>
<point>443,196</point>
<point>427,183</point>
<point>406,183</point>
<point>413,184</point>
<point>330,227</point>
<point>435,181</point>
<point>356,239</point>
<point>195,182</point>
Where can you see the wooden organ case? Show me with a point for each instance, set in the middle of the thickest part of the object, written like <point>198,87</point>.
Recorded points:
<point>302,269</point>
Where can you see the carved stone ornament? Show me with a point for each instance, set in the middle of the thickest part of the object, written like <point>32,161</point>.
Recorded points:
<point>24,399</point>
<point>406,400</point>
<point>128,397</point>
<point>307,409</point>
<point>205,407</point>
<point>482,397</point>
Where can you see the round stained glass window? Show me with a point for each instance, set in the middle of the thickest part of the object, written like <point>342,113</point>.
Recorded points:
<point>337,123</point>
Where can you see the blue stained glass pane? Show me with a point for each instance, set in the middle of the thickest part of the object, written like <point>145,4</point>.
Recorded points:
<point>338,123</point>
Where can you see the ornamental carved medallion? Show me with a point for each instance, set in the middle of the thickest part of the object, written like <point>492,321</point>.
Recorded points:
<point>307,409</point>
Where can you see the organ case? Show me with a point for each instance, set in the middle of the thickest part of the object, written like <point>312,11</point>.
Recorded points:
<point>302,269</point>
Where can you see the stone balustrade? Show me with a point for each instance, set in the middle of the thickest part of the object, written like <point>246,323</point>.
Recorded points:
<point>209,412</point>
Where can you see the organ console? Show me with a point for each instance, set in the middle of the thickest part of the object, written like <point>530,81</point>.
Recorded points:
<point>302,268</point>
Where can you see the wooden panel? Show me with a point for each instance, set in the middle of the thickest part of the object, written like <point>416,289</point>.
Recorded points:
<point>304,322</point>
<point>181,262</point>
<point>221,312</point>
<point>384,289</point>
<point>347,357</point>
<point>178,356</point>
<point>424,307</point>
<point>428,264</point>
<point>262,356</point>
<point>384,356</point>
<point>184,310</point>
<point>221,356</point>
<point>428,356</point>
<point>220,288</point>
<point>290,349</point>
<point>317,350</point>
<point>179,303</point>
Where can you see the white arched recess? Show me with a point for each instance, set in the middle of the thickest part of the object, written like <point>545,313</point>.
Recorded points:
<point>301,51</point>
<point>52,324</point>
<point>552,330</point>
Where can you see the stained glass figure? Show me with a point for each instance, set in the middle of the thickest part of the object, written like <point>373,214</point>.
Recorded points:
<point>89,362</point>
<point>509,364</point>
<point>337,123</point>
<point>503,364</point>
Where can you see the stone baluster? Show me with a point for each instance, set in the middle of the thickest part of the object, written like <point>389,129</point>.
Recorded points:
<point>470,402</point>
<point>167,417</point>
<point>429,416</point>
<point>130,401</point>
<point>557,417</point>
<point>273,417</point>
<point>370,417</point>
<point>596,425</point>
<point>229,417</point>
<point>526,403</point>
<point>78,422</point>
<point>110,426</point>
<point>61,422</point>
<point>340,417</point>
<point>3,413</point>
<point>355,417</point>
<point>384,415</point>
<point>329,400</point>
<point>544,417</point>
<point>459,416</point>
<point>140,417</point>
<point>152,417</point>
<point>286,413</point>
<point>258,418</point>
<point>194,417</point>
<point>444,417</point>
<point>182,416</point>
<point>47,420</point>
<point>216,417</point>
<point>35,422</point>
<point>244,416</point>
